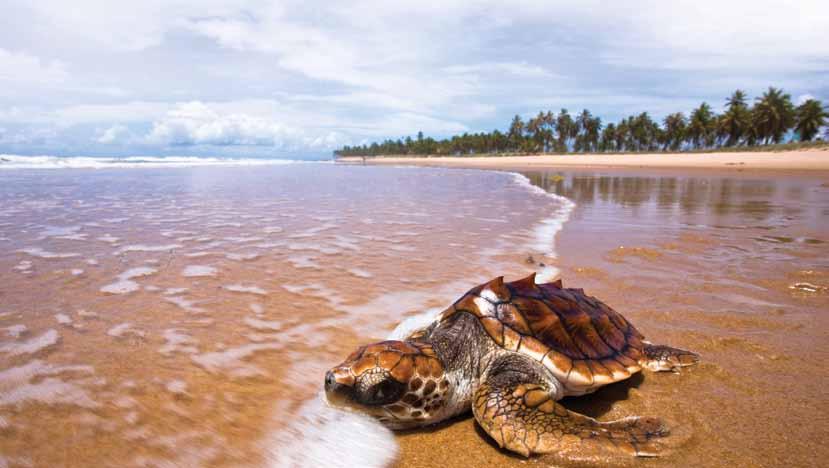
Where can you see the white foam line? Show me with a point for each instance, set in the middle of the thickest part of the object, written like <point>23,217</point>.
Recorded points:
<point>124,284</point>
<point>322,436</point>
<point>240,288</point>
<point>33,345</point>
<point>195,271</point>
<point>148,248</point>
<point>12,161</point>
<point>38,252</point>
<point>548,228</point>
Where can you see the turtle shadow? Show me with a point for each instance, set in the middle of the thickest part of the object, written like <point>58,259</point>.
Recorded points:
<point>437,426</point>
<point>601,401</point>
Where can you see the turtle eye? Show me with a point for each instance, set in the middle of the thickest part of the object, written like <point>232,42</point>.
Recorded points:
<point>385,392</point>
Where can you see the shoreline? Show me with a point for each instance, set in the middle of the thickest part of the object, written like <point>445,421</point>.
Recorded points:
<point>811,161</point>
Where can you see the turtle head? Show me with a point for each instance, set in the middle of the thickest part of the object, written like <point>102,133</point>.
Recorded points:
<point>401,383</point>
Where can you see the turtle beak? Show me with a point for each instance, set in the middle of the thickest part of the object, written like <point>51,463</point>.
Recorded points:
<point>331,384</point>
<point>338,386</point>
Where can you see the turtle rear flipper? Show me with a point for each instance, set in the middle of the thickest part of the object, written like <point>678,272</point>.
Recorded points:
<point>661,358</point>
<point>517,408</point>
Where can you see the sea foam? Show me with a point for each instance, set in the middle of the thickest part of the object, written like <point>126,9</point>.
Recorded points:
<point>38,252</point>
<point>11,161</point>
<point>545,232</point>
<point>323,436</point>
<point>125,283</point>
<point>32,345</point>
<point>18,385</point>
<point>246,289</point>
<point>233,361</point>
<point>194,271</point>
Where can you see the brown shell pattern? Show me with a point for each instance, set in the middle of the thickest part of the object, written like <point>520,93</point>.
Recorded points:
<point>581,340</point>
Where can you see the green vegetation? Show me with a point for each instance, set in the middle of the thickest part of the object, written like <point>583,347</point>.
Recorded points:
<point>772,119</point>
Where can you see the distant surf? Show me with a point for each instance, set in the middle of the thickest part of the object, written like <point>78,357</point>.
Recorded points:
<point>13,161</point>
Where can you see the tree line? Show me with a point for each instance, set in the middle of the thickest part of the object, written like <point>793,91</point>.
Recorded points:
<point>771,119</point>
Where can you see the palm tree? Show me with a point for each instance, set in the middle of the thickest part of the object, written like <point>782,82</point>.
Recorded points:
<point>549,130</point>
<point>587,131</point>
<point>622,136</point>
<point>702,126</point>
<point>674,131</point>
<point>580,144</point>
<point>516,133</point>
<point>499,141</point>
<point>644,132</point>
<point>773,115</point>
<point>735,123</point>
<point>809,117</point>
<point>567,130</point>
<point>539,133</point>
<point>593,126</point>
<point>608,139</point>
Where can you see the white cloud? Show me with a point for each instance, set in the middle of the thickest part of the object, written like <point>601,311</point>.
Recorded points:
<point>136,111</point>
<point>390,59</point>
<point>28,136</point>
<point>406,123</point>
<point>803,98</point>
<point>716,35</point>
<point>19,67</point>
<point>123,26</point>
<point>196,123</point>
<point>510,69</point>
<point>329,141</point>
<point>114,134</point>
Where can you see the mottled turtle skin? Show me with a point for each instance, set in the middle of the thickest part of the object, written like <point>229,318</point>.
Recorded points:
<point>509,352</point>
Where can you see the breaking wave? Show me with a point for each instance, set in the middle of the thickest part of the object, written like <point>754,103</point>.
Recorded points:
<point>11,161</point>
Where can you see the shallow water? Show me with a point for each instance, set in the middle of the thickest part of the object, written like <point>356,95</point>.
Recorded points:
<point>186,316</point>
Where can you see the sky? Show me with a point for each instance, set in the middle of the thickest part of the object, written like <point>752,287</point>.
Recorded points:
<point>253,78</point>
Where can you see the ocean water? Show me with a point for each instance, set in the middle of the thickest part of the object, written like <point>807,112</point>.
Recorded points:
<point>13,161</point>
<point>158,312</point>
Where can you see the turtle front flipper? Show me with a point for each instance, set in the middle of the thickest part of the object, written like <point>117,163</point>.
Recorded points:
<point>661,358</point>
<point>516,406</point>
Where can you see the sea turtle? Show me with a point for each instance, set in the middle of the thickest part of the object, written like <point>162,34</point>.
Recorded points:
<point>510,351</point>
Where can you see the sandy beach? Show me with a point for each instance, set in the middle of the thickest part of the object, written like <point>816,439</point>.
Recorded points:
<point>153,317</point>
<point>788,161</point>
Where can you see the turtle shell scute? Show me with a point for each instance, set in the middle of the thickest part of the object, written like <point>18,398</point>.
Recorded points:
<point>580,339</point>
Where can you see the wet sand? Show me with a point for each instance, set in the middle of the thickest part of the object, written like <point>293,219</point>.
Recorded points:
<point>150,318</point>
